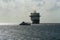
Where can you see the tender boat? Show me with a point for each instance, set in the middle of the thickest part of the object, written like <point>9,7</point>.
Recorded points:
<point>23,23</point>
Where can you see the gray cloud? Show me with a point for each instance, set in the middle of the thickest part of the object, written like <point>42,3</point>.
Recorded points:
<point>55,8</point>
<point>36,0</point>
<point>8,0</point>
<point>57,0</point>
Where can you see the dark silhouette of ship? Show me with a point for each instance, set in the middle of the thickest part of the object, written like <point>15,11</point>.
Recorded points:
<point>35,18</point>
<point>24,23</point>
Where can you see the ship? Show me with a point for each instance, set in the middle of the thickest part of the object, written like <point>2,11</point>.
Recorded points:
<point>35,18</point>
<point>24,23</point>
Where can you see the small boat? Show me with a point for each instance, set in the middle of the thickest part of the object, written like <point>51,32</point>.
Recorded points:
<point>23,23</point>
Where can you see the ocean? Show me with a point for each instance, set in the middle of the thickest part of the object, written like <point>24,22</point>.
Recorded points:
<point>43,31</point>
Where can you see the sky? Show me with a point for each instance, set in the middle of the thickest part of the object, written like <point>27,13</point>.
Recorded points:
<point>16,11</point>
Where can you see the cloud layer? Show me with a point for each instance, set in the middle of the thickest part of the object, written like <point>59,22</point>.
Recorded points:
<point>19,10</point>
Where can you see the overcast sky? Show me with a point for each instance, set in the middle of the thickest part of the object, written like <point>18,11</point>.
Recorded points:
<point>16,11</point>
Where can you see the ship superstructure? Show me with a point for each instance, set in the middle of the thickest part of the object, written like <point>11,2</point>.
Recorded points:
<point>35,17</point>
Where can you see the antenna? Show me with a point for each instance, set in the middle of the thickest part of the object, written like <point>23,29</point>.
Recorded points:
<point>34,11</point>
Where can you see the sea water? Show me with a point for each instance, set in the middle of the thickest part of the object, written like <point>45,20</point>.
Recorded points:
<point>30,32</point>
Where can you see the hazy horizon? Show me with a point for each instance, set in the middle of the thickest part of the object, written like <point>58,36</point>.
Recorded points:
<point>16,11</point>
